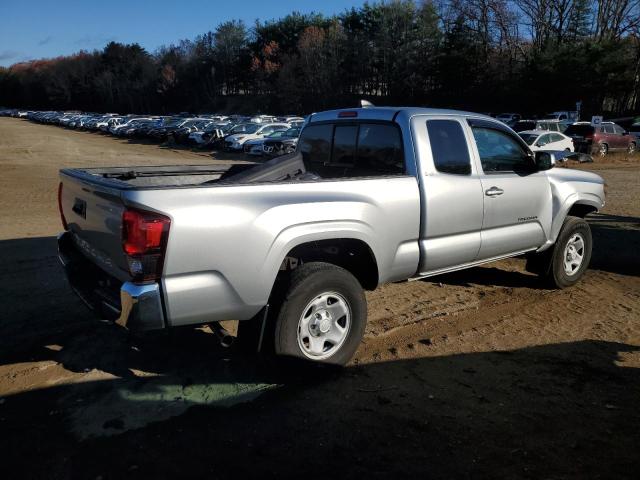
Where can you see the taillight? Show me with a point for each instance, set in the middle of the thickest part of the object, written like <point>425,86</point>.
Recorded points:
<point>64,220</point>
<point>144,240</point>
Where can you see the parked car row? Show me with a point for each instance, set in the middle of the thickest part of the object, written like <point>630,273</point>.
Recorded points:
<point>583,137</point>
<point>561,131</point>
<point>270,136</point>
<point>234,133</point>
<point>550,125</point>
<point>557,121</point>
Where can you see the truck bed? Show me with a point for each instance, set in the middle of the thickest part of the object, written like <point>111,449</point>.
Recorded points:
<point>158,176</point>
<point>172,176</point>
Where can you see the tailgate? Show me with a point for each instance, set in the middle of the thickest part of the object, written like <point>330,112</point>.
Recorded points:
<point>94,217</point>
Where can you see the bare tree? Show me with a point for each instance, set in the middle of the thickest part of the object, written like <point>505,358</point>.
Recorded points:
<point>615,18</point>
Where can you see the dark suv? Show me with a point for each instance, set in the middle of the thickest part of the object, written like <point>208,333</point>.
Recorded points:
<point>601,139</point>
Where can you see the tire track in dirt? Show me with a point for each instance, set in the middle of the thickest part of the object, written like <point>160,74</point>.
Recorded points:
<point>505,318</point>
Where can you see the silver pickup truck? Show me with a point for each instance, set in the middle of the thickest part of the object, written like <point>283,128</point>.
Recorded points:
<point>371,195</point>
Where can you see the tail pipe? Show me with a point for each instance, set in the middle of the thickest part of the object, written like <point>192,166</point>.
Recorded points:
<point>225,338</point>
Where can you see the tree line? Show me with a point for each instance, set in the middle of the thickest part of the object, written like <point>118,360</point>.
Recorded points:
<point>528,56</point>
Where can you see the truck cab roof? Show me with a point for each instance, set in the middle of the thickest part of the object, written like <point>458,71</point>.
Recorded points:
<point>387,113</point>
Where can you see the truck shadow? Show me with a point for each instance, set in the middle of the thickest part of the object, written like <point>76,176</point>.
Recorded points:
<point>180,405</point>
<point>616,244</point>
<point>491,276</point>
<point>560,410</point>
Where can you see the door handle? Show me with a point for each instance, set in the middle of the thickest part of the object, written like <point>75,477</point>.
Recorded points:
<point>494,192</point>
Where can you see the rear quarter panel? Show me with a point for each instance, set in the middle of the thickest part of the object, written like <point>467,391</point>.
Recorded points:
<point>226,243</point>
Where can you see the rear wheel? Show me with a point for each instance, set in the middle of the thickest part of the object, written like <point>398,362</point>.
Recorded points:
<point>320,314</point>
<point>603,149</point>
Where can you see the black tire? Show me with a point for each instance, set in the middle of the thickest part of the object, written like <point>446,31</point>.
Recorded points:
<point>292,295</point>
<point>603,149</point>
<point>550,265</point>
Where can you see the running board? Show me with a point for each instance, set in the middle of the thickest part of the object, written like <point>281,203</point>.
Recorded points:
<point>469,265</point>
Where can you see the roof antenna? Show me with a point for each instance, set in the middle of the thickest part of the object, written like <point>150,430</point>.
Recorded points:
<point>366,104</point>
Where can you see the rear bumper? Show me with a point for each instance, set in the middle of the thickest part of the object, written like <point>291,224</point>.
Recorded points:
<point>136,307</point>
<point>585,146</point>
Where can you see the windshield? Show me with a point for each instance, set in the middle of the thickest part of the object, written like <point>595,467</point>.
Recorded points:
<point>172,122</point>
<point>530,138</point>
<point>213,126</point>
<point>245,128</point>
<point>190,123</point>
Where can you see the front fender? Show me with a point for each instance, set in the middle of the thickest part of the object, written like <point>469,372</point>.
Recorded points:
<point>578,198</point>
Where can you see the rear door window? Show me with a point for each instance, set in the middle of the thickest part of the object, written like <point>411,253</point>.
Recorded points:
<point>449,147</point>
<point>380,149</point>
<point>352,150</point>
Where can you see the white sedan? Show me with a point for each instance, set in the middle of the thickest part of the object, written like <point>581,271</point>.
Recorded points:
<point>543,140</point>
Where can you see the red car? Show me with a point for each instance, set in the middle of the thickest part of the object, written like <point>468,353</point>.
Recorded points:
<point>605,138</point>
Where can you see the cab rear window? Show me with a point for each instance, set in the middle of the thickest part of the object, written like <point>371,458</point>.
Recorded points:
<point>352,150</point>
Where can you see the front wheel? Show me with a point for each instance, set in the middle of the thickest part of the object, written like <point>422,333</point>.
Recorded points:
<point>566,262</point>
<point>631,148</point>
<point>320,315</point>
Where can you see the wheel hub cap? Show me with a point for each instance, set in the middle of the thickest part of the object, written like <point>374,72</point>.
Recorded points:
<point>324,326</point>
<point>573,254</point>
<point>321,323</point>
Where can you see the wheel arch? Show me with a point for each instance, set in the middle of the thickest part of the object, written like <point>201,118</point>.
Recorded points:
<point>579,205</point>
<point>581,209</point>
<point>353,254</point>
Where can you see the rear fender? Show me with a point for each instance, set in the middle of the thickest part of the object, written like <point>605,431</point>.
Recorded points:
<point>296,235</point>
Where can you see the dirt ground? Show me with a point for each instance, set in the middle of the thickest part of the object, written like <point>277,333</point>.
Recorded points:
<point>479,374</point>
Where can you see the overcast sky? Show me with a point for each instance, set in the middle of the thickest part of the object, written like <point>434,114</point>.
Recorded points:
<point>34,29</point>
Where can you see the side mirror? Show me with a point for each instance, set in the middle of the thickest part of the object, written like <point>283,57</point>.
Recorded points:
<point>541,144</point>
<point>625,133</point>
<point>545,160</point>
